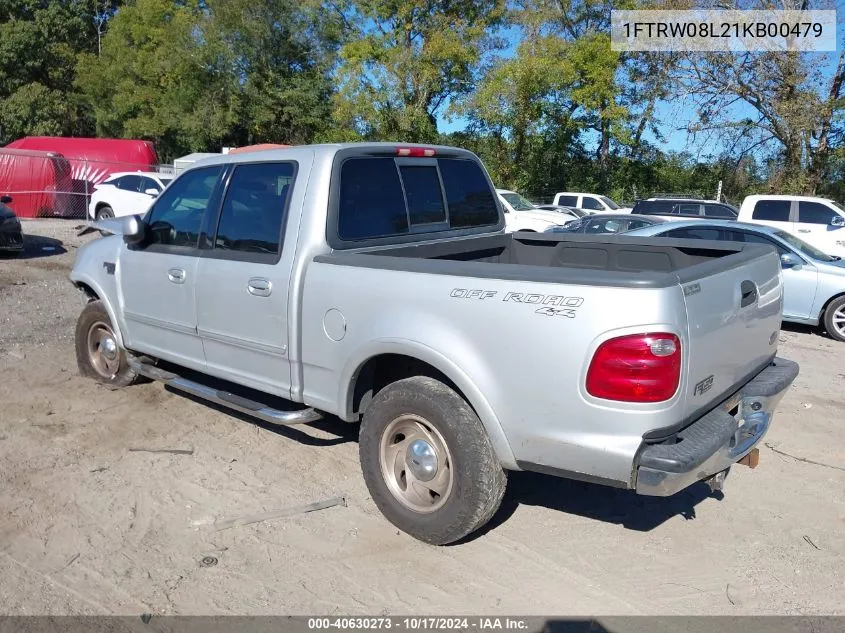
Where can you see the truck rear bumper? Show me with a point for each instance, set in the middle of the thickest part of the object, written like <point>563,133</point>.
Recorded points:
<point>717,440</point>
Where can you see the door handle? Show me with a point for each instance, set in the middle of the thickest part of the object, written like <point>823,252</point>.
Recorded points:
<point>748,293</point>
<point>259,287</point>
<point>176,275</point>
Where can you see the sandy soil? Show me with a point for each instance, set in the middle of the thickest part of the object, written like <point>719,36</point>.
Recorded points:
<point>89,526</point>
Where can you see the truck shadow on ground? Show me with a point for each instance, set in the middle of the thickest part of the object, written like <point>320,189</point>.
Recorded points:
<point>601,503</point>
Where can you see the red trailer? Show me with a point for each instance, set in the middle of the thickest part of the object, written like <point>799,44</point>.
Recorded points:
<point>92,160</point>
<point>39,182</point>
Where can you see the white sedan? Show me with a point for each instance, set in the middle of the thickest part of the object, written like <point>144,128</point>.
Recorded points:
<point>126,193</point>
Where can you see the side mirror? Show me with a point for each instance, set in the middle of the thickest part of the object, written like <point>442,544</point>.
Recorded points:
<point>151,192</point>
<point>5,199</point>
<point>837,220</point>
<point>133,230</point>
<point>788,260</point>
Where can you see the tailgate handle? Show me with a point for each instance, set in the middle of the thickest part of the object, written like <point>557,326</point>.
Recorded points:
<point>749,293</point>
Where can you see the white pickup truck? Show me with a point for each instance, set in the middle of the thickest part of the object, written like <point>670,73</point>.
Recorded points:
<point>818,221</point>
<point>375,283</point>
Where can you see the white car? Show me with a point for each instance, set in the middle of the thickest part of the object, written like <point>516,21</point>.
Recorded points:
<point>817,221</point>
<point>126,193</point>
<point>588,201</point>
<point>521,215</point>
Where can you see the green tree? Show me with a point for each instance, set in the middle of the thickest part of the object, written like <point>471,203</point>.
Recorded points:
<point>160,77</point>
<point>406,60</point>
<point>39,44</point>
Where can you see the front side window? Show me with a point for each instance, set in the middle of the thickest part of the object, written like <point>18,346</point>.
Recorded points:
<point>815,213</point>
<point>592,204</point>
<point>149,183</point>
<point>176,217</point>
<point>804,248</point>
<point>610,203</point>
<point>772,210</point>
<point>518,202</point>
<point>130,183</point>
<point>718,211</point>
<point>254,210</point>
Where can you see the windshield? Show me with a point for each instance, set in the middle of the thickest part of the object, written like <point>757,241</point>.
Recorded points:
<point>804,248</point>
<point>165,181</point>
<point>518,202</point>
<point>838,205</point>
<point>610,203</point>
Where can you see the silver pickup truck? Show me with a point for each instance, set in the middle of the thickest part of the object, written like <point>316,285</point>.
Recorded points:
<point>374,283</point>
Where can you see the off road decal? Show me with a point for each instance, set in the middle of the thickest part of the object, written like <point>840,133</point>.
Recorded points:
<point>550,305</point>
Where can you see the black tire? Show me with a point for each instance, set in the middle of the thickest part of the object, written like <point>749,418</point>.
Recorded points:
<point>91,328</point>
<point>477,479</point>
<point>830,313</point>
<point>105,212</point>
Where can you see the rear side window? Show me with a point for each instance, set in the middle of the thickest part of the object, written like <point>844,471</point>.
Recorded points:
<point>772,210</point>
<point>687,208</point>
<point>567,201</point>
<point>815,213</point>
<point>653,206</point>
<point>382,197</point>
<point>250,225</point>
<point>696,234</point>
<point>718,211</point>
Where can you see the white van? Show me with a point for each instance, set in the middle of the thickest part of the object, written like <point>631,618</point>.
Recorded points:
<point>589,201</point>
<point>817,221</point>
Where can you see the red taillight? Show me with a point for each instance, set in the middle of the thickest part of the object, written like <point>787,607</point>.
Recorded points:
<point>636,368</point>
<point>416,152</point>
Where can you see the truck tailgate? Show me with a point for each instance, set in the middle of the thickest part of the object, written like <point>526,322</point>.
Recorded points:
<point>734,317</point>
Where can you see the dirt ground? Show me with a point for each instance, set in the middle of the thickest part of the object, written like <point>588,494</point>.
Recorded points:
<point>90,526</point>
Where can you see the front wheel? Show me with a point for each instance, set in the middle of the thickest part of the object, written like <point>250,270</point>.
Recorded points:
<point>98,354</point>
<point>105,212</point>
<point>834,319</point>
<point>427,461</point>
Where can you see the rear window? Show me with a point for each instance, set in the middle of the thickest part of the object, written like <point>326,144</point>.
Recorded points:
<point>383,197</point>
<point>772,210</point>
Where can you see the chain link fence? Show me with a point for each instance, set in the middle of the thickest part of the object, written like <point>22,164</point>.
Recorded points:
<point>49,185</point>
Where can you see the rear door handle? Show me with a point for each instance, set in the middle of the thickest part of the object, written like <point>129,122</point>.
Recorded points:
<point>748,293</point>
<point>259,287</point>
<point>176,275</point>
<point>803,230</point>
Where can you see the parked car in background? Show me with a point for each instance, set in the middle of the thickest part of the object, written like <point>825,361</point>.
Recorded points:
<point>126,193</point>
<point>521,215</point>
<point>601,224</point>
<point>814,282</point>
<point>11,235</point>
<point>373,282</point>
<point>817,221</point>
<point>578,213</point>
<point>92,160</point>
<point>686,207</point>
<point>39,183</point>
<point>589,201</point>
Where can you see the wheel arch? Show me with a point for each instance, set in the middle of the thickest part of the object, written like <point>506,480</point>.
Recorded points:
<point>386,361</point>
<point>94,292</point>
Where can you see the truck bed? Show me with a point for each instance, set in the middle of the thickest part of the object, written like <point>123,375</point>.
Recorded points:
<point>576,259</point>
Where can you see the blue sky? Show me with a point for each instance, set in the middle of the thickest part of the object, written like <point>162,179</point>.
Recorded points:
<point>673,117</point>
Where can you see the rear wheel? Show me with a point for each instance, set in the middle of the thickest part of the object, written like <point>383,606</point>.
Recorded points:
<point>105,212</point>
<point>428,462</point>
<point>98,354</point>
<point>834,319</point>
